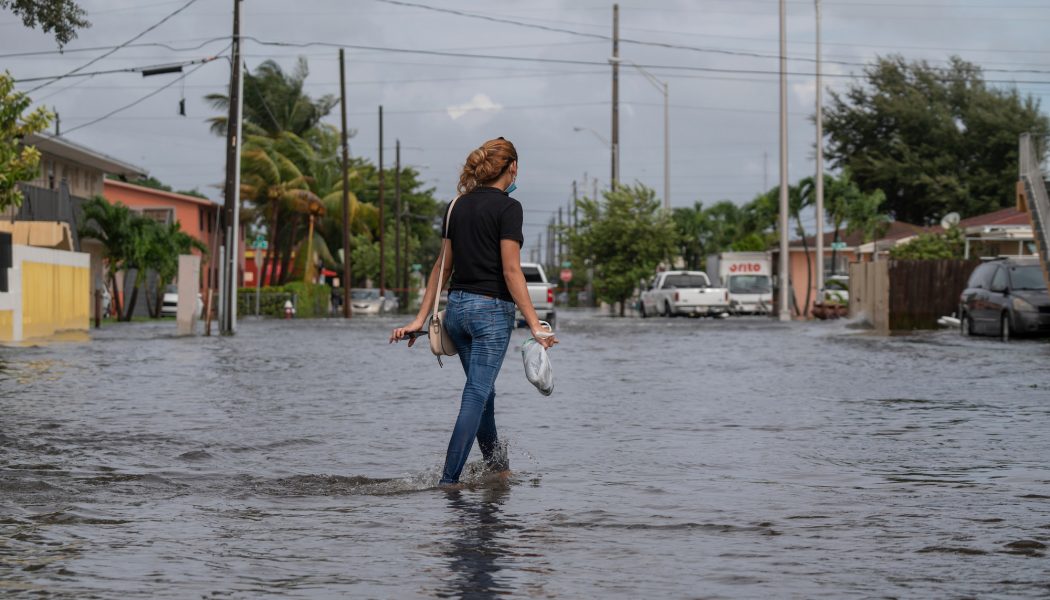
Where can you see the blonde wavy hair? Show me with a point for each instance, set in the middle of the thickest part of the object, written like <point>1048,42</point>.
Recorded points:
<point>486,164</point>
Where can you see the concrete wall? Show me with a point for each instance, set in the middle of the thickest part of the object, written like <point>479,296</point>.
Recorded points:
<point>50,291</point>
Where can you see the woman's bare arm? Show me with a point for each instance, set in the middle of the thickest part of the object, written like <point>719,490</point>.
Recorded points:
<point>510,256</point>
<point>430,296</point>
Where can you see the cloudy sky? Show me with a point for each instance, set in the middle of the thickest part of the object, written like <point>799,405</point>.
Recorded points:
<point>723,87</point>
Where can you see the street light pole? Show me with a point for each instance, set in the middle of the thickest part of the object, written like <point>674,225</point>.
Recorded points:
<point>784,279</point>
<point>615,145</point>
<point>820,167</point>
<point>662,87</point>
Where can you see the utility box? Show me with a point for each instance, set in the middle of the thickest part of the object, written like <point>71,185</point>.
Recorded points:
<point>187,314</point>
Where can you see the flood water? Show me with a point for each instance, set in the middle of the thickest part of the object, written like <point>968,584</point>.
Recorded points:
<point>677,458</point>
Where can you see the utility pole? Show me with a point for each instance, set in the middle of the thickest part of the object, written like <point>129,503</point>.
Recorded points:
<point>784,280</point>
<point>615,146</point>
<point>765,172</point>
<point>228,324</point>
<point>561,245</point>
<point>667,149</point>
<point>382,261</point>
<point>397,217</point>
<point>58,124</point>
<point>820,168</point>
<point>346,189</point>
<point>575,208</point>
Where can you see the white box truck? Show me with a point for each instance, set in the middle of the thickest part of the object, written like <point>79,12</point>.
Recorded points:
<point>747,276</point>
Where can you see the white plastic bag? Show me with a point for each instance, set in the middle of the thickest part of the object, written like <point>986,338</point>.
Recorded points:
<point>538,365</point>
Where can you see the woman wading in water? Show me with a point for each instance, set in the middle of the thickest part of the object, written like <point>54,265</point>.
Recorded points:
<point>484,243</point>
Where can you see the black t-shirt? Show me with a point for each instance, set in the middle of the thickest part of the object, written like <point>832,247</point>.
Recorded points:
<point>480,219</point>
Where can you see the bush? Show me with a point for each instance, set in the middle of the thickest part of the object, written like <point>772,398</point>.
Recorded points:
<point>310,300</point>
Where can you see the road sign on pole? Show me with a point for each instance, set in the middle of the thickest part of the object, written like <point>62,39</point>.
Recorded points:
<point>566,275</point>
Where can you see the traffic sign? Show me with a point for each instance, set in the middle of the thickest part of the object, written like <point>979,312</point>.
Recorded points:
<point>566,275</point>
<point>838,245</point>
<point>260,242</point>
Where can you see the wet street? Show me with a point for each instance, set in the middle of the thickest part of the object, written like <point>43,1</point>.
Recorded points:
<point>681,458</point>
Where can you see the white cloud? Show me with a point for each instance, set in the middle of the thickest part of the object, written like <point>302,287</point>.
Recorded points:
<point>479,102</point>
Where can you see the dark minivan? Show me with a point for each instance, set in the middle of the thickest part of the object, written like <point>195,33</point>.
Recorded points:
<point>1006,297</point>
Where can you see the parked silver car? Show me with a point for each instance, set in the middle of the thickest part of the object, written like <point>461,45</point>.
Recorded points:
<point>367,301</point>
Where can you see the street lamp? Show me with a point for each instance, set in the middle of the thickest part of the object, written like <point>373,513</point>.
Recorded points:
<point>600,137</point>
<point>662,87</point>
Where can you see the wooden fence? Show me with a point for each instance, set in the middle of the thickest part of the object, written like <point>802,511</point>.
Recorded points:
<point>902,295</point>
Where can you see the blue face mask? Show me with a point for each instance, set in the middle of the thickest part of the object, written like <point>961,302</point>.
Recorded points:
<point>513,186</point>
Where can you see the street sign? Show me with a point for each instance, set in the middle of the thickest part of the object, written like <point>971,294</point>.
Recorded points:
<point>260,242</point>
<point>566,275</point>
<point>566,265</point>
<point>838,245</point>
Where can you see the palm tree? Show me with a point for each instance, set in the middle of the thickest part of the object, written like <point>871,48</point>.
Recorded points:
<point>111,225</point>
<point>275,184</point>
<point>274,102</point>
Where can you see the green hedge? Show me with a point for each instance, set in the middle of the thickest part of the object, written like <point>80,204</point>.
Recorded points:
<point>310,300</point>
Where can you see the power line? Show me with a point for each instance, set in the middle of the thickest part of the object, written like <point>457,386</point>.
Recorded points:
<point>143,98</point>
<point>569,61</point>
<point>668,45</point>
<point>100,57</point>
<point>53,78</point>
<point>125,45</point>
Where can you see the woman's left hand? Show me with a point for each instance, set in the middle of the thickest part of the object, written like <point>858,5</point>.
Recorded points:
<point>400,333</point>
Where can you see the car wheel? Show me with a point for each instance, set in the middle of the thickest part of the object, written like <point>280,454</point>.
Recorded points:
<point>966,326</point>
<point>1004,327</point>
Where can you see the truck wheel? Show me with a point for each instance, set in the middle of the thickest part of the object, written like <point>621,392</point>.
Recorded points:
<point>553,320</point>
<point>667,310</point>
<point>642,310</point>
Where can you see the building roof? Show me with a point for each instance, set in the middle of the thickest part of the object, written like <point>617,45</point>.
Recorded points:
<point>159,193</point>
<point>1006,216</point>
<point>65,148</point>
<point>895,231</point>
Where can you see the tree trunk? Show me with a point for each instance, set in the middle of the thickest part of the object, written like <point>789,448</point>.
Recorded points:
<point>809,274</point>
<point>116,302</point>
<point>130,308</point>
<point>271,264</point>
<point>160,298</point>
<point>623,307</point>
<point>289,248</point>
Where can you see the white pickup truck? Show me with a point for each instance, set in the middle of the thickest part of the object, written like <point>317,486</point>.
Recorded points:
<point>541,292</point>
<point>674,293</point>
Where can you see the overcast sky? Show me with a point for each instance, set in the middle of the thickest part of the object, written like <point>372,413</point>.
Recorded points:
<point>723,121</point>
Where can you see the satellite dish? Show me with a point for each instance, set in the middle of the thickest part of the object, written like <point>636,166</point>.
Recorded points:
<point>950,220</point>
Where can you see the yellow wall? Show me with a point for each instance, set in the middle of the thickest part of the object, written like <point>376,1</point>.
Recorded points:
<point>7,325</point>
<point>54,298</point>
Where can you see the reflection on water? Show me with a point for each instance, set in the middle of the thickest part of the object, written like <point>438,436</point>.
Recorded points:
<point>481,536</point>
<point>678,458</point>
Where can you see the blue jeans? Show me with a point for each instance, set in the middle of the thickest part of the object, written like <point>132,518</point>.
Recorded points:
<point>480,327</point>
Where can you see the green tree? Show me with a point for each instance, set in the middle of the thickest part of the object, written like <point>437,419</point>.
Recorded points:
<point>63,17</point>
<point>167,242</point>
<point>17,162</point>
<point>127,239</point>
<point>624,236</point>
<point>934,140</point>
<point>932,246</point>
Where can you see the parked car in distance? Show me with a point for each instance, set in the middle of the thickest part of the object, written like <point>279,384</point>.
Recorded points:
<point>836,290</point>
<point>541,291</point>
<point>169,306</point>
<point>367,301</point>
<point>1006,297</point>
<point>674,293</point>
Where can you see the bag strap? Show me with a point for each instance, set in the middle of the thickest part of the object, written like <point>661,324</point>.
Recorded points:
<point>441,273</point>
